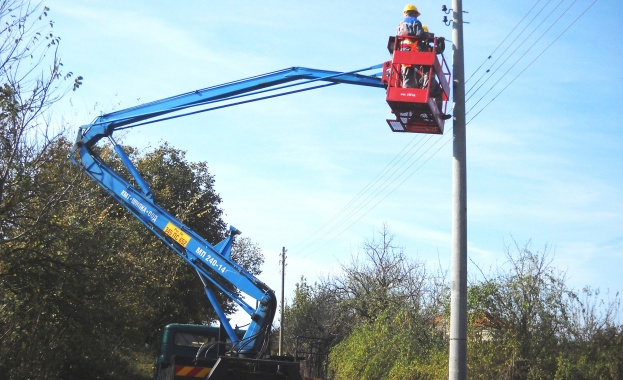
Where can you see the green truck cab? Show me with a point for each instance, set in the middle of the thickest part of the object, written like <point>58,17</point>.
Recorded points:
<point>190,351</point>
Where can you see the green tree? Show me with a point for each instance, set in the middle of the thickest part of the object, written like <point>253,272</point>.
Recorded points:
<point>247,253</point>
<point>527,323</point>
<point>377,315</point>
<point>314,321</point>
<point>384,278</point>
<point>31,81</point>
<point>596,348</point>
<point>527,307</point>
<point>394,346</point>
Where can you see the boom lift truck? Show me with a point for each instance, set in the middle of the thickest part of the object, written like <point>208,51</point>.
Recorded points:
<point>246,357</point>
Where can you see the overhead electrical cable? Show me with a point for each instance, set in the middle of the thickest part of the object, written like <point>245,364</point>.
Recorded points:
<point>513,43</point>
<point>352,221</point>
<point>373,192</point>
<point>393,176</point>
<point>501,43</point>
<point>328,225</point>
<point>524,55</point>
<point>535,59</point>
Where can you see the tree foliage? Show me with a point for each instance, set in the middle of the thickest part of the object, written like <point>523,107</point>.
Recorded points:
<point>395,346</point>
<point>384,278</point>
<point>527,323</point>
<point>315,312</point>
<point>33,258</point>
<point>84,286</point>
<point>363,311</point>
<point>245,251</point>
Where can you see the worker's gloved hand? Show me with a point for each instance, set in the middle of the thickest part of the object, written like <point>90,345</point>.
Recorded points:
<point>441,45</point>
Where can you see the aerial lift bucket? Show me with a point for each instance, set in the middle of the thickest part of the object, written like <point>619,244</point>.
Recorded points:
<point>420,109</point>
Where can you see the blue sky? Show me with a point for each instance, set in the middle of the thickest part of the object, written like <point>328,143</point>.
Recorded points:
<point>544,139</point>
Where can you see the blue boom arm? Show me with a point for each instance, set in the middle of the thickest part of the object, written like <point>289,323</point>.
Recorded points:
<point>213,263</point>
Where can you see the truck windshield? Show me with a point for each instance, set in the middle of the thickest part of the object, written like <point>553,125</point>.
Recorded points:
<point>192,340</point>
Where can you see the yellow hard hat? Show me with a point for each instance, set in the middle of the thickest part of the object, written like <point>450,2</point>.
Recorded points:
<point>411,7</point>
<point>425,28</point>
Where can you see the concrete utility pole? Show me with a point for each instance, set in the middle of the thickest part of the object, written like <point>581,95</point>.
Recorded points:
<point>458,297</point>
<point>283,278</point>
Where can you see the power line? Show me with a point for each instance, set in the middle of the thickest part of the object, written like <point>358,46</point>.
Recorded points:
<point>501,43</point>
<point>327,225</point>
<point>517,48</point>
<point>529,49</point>
<point>534,60</point>
<point>381,188</point>
<point>338,233</point>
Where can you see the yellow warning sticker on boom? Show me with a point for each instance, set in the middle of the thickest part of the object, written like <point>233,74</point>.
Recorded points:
<point>177,234</point>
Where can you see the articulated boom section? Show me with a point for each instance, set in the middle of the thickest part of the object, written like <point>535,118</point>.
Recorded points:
<point>104,125</point>
<point>212,263</point>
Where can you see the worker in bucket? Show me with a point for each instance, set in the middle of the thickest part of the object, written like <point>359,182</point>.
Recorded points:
<point>410,26</point>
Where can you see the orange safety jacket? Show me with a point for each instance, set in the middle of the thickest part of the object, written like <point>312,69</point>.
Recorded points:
<point>410,26</point>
